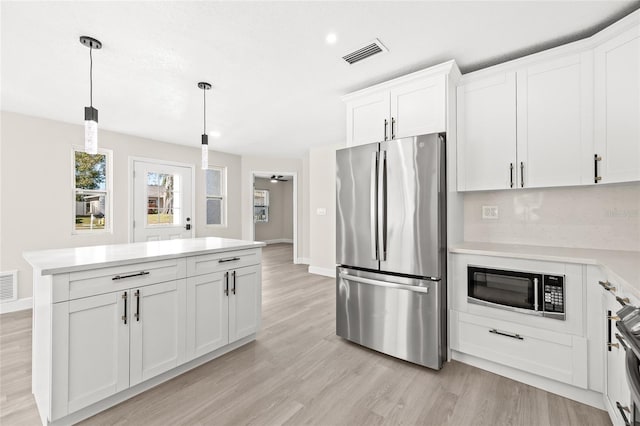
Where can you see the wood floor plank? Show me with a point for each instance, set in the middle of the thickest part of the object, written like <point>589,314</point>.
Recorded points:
<point>299,372</point>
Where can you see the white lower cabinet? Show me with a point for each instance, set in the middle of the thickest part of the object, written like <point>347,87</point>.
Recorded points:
<point>545,353</point>
<point>104,344</point>
<point>222,307</point>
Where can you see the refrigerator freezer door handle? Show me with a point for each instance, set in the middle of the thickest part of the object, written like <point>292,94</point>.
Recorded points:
<point>374,205</point>
<point>383,283</point>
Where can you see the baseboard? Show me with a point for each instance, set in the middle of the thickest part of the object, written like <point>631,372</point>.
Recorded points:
<point>16,305</point>
<point>322,271</point>
<point>279,241</point>
<point>302,261</point>
<point>584,396</point>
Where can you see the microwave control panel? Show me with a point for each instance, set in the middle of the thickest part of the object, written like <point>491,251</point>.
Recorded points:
<point>554,293</point>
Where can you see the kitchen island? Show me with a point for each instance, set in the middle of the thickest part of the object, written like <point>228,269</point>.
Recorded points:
<point>112,321</point>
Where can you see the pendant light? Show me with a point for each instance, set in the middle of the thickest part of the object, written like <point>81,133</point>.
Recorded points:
<point>205,138</point>
<point>90,113</point>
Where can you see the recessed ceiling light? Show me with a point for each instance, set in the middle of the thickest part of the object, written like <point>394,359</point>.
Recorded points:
<point>331,38</point>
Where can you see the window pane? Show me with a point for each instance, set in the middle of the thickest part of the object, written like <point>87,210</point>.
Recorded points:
<point>214,183</point>
<point>90,171</point>
<point>90,211</point>
<point>162,190</point>
<point>214,211</point>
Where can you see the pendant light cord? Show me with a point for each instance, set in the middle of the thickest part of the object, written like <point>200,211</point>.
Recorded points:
<point>204,117</point>
<point>90,77</point>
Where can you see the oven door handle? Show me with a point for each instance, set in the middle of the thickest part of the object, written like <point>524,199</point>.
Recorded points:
<point>379,283</point>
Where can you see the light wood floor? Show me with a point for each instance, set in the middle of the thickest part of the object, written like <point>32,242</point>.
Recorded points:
<point>299,372</point>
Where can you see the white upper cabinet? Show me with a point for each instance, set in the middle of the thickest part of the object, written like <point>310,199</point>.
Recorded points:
<point>411,105</point>
<point>555,143</point>
<point>368,119</point>
<point>487,133</point>
<point>617,107</point>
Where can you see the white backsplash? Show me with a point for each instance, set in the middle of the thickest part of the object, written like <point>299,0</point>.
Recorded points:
<point>598,216</point>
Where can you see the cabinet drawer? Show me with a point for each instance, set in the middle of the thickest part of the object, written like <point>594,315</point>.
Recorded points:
<point>104,280</point>
<point>557,356</point>
<point>208,263</point>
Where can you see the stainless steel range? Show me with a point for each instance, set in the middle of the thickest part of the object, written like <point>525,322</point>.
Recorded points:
<point>629,327</point>
<point>391,247</point>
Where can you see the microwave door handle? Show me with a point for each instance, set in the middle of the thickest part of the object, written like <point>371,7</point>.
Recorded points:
<point>373,209</point>
<point>535,294</point>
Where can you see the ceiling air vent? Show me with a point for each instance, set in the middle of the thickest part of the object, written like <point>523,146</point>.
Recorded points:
<point>8,286</point>
<point>372,48</point>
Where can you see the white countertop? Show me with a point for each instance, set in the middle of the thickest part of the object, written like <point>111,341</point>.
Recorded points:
<point>59,261</point>
<point>623,265</point>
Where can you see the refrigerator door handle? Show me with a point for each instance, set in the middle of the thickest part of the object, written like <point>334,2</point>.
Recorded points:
<point>373,209</point>
<point>370,281</point>
<point>382,206</point>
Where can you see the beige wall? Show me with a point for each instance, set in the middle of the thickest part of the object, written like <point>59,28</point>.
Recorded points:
<point>322,191</point>
<point>273,166</point>
<point>598,216</point>
<point>36,184</point>
<point>280,224</point>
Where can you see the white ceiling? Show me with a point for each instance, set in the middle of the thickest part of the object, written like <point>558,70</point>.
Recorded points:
<point>276,83</point>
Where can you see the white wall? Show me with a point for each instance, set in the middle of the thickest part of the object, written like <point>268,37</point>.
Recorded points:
<point>322,228</point>
<point>278,166</point>
<point>36,170</point>
<point>280,224</point>
<point>598,216</point>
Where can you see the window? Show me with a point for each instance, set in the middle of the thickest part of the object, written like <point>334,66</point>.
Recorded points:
<point>216,189</point>
<point>163,199</point>
<point>92,191</point>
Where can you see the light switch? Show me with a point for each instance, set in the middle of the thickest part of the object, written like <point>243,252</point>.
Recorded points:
<point>490,212</point>
<point>321,211</point>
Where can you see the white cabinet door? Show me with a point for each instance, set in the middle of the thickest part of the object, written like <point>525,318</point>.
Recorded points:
<point>207,314</point>
<point>418,108</point>
<point>245,300</point>
<point>616,386</point>
<point>555,145</point>
<point>91,351</point>
<point>487,133</point>
<point>617,107</point>
<point>157,329</point>
<point>366,118</point>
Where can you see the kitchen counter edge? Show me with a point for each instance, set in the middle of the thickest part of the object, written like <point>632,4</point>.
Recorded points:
<point>59,261</point>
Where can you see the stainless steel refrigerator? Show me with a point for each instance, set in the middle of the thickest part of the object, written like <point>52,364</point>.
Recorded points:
<point>391,247</point>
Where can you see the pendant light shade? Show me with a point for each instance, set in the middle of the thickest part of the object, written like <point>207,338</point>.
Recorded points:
<point>90,113</point>
<point>205,138</point>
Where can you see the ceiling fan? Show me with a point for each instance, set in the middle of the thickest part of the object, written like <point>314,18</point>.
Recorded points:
<point>278,178</point>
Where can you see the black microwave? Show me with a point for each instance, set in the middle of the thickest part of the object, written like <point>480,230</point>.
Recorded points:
<point>526,292</point>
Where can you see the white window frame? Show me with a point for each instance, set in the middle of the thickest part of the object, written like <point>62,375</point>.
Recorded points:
<point>222,197</point>
<point>108,226</point>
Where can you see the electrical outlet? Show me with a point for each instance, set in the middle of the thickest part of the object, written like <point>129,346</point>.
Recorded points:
<point>490,212</point>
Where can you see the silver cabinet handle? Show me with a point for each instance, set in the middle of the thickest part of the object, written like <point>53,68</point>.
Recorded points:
<point>373,206</point>
<point>521,174</point>
<point>510,175</point>
<point>386,124</point>
<point>502,333</point>
<point>393,128</point>
<point>124,297</point>
<point>122,277</point>
<point>229,259</point>
<point>623,411</point>
<point>596,178</point>
<point>348,277</point>
<point>607,285</point>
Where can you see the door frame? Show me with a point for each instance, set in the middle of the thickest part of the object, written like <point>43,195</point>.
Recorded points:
<point>261,173</point>
<point>130,183</point>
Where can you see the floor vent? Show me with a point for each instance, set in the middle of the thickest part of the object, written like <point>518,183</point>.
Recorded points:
<point>372,48</point>
<point>8,286</point>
